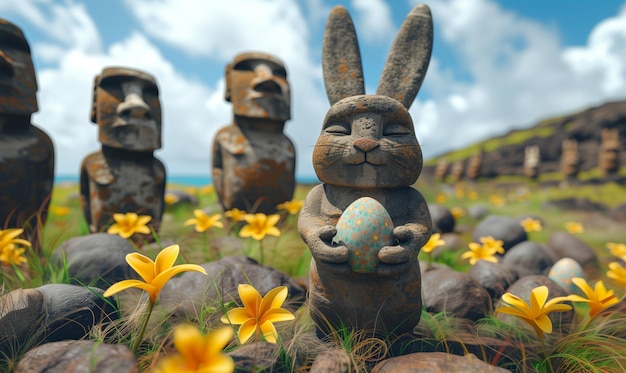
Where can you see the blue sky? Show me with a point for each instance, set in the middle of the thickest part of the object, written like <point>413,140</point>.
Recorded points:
<point>496,65</point>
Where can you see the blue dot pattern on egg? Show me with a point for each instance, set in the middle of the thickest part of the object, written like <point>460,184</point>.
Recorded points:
<point>364,227</point>
<point>562,273</point>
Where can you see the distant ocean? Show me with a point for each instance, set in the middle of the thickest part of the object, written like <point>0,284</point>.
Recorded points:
<point>195,181</point>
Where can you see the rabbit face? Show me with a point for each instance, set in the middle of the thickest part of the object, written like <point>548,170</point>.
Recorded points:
<point>368,141</point>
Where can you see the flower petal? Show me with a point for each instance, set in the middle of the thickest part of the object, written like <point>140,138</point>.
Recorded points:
<point>512,311</point>
<point>190,222</point>
<point>584,286</point>
<point>269,332</point>
<point>164,276</point>
<point>515,301</point>
<point>218,339</point>
<point>250,298</point>
<point>538,298</point>
<point>189,341</point>
<point>277,315</point>
<point>220,364</point>
<point>166,259</point>
<point>544,323</point>
<point>143,220</point>
<point>246,331</point>
<point>143,265</point>
<point>237,316</point>
<point>273,299</point>
<point>127,284</point>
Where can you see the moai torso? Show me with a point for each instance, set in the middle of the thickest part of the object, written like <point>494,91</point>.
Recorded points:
<point>253,161</point>
<point>531,161</point>
<point>457,171</point>
<point>569,159</point>
<point>26,152</point>
<point>608,154</point>
<point>368,148</point>
<point>124,176</point>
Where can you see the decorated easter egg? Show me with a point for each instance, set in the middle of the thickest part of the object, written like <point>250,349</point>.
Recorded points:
<point>562,273</point>
<point>364,228</point>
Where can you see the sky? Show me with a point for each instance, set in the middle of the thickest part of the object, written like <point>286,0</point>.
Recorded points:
<point>496,65</point>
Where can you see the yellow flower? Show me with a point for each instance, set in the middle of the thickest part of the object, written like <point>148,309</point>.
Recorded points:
<point>598,297</point>
<point>535,314</point>
<point>12,254</point>
<point>457,212</point>
<point>154,274</point>
<point>292,207</point>
<point>191,190</point>
<point>235,215</point>
<point>574,227</point>
<point>204,221</point>
<point>171,198</point>
<point>440,198</point>
<point>260,225</point>
<point>531,225</point>
<point>129,223</point>
<point>59,210</point>
<point>487,251</point>
<point>207,189</point>
<point>473,195</point>
<point>617,273</point>
<point>258,315</point>
<point>8,237</point>
<point>433,242</point>
<point>617,249</point>
<point>459,192</point>
<point>198,353</point>
<point>497,200</point>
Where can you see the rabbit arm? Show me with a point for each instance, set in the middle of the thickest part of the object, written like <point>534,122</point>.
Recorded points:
<point>318,234</point>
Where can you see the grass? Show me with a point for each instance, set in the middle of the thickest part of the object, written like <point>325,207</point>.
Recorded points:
<point>598,347</point>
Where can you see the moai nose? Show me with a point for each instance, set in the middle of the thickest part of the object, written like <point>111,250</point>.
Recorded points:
<point>133,107</point>
<point>365,144</point>
<point>6,65</point>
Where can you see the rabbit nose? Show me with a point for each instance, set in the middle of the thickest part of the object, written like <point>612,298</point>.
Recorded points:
<point>365,144</point>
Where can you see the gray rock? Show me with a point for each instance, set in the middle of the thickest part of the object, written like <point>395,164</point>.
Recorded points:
<point>528,258</point>
<point>494,277</point>
<point>187,294</point>
<point>78,357</point>
<point>455,293</point>
<point>256,356</point>
<point>565,245</point>
<point>435,362</point>
<point>184,198</point>
<point>21,316</point>
<point>332,361</point>
<point>477,212</point>
<point>97,259</point>
<point>443,220</point>
<point>501,228</point>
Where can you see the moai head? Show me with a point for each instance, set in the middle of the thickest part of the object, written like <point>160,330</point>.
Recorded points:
<point>569,158</point>
<point>473,166</point>
<point>127,109</point>
<point>18,83</point>
<point>608,155</point>
<point>457,170</point>
<point>256,84</point>
<point>531,161</point>
<point>442,169</point>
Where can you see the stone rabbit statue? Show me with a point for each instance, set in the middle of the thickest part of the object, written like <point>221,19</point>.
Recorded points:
<point>368,148</point>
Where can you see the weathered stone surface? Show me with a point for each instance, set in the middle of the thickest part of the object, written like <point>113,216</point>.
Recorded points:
<point>78,357</point>
<point>253,161</point>
<point>455,293</point>
<point>477,212</point>
<point>618,212</point>
<point>528,258</point>
<point>502,228</point>
<point>332,361</point>
<point>124,176</point>
<point>186,294</point>
<point>352,160</point>
<point>494,277</point>
<point>26,152</point>
<point>560,320</point>
<point>97,259</point>
<point>435,362</point>
<point>255,356</point>
<point>565,245</point>
<point>443,221</point>
<point>50,313</point>
<point>575,204</point>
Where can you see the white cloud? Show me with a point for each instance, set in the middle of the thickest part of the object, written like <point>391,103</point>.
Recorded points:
<point>373,19</point>
<point>519,73</point>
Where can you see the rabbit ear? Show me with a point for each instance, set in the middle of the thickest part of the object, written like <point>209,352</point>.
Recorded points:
<point>341,57</point>
<point>409,57</point>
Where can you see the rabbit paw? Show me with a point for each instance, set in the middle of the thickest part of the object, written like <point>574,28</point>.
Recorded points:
<point>394,260</point>
<point>332,257</point>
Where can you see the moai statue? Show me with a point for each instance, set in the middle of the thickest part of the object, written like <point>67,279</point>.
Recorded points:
<point>569,159</point>
<point>474,164</point>
<point>608,155</point>
<point>368,148</point>
<point>457,171</point>
<point>253,160</point>
<point>442,169</point>
<point>531,161</point>
<point>26,152</point>
<point>124,176</point>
